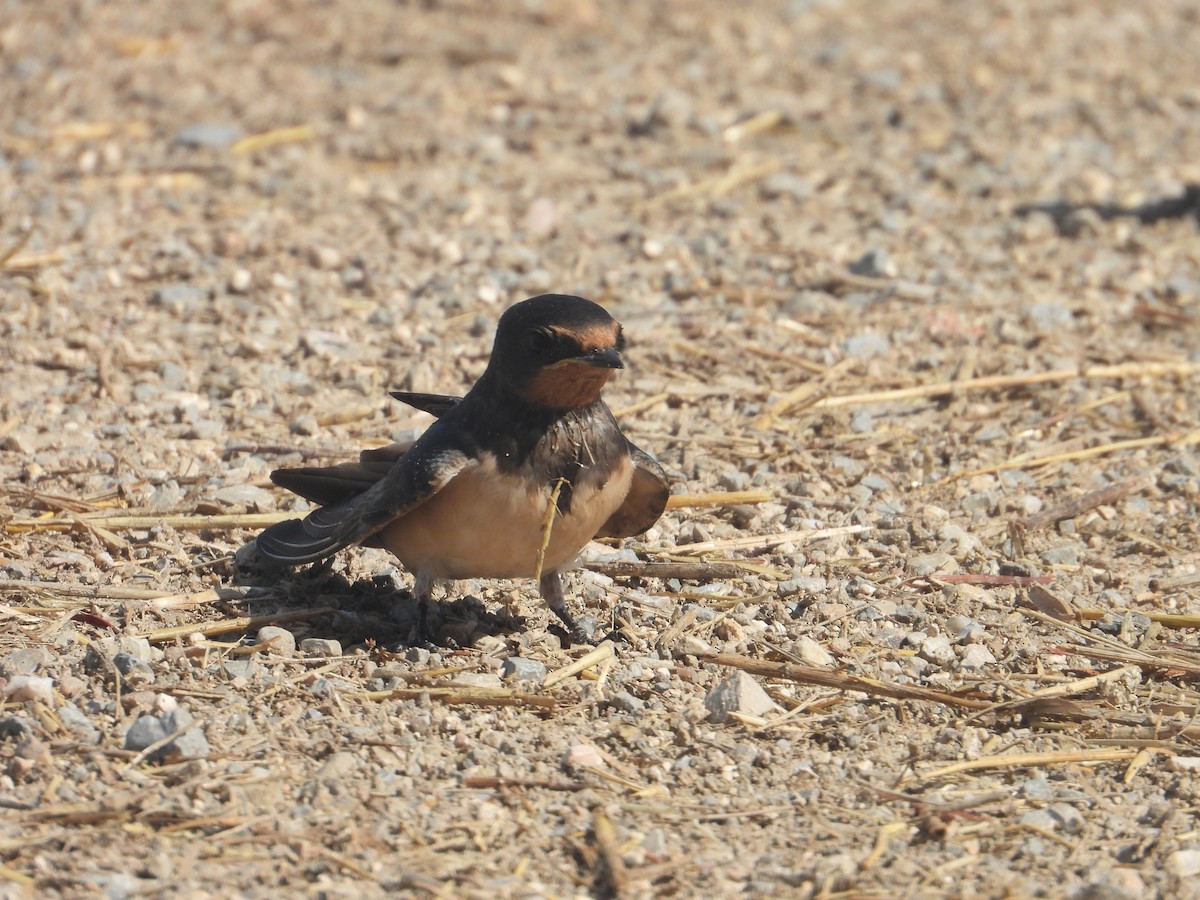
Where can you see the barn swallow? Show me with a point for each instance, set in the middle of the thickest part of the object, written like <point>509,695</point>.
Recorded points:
<point>471,497</point>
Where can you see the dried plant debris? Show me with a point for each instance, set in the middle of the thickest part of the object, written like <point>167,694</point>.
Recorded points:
<point>912,296</point>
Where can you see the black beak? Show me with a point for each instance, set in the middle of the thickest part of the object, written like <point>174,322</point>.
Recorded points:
<point>609,358</point>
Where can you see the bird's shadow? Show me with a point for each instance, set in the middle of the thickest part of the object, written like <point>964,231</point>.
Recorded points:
<point>368,609</point>
<point>1151,212</point>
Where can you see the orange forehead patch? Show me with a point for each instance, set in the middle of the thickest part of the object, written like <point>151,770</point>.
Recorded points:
<point>593,337</point>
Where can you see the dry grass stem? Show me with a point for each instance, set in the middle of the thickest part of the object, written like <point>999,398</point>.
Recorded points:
<point>684,571</point>
<point>1092,499</point>
<point>1065,689</point>
<point>766,541</point>
<point>840,681</point>
<point>602,651</point>
<point>273,138</point>
<point>721,498</point>
<point>464,695</point>
<point>228,626</point>
<point>1026,760</point>
<point>1005,382</point>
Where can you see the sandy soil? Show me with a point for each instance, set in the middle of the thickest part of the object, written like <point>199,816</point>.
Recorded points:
<point>924,276</point>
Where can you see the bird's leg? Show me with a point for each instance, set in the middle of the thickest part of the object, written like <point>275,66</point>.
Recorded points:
<point>423,589</point>
<point>551,590</point>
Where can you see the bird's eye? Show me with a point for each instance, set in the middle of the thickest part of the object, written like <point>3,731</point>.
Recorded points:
<point>539,341</point>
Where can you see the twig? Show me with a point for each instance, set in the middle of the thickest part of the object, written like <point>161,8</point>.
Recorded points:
<point>772,540</point>
<point>486,782</point>
<point>1000,382</point>
<point>684,571</point>
<point>1071,508</point>
<point>1067,689</point>
<point>1167,620</point>
<point>1165,440</point>
<point>241,623</point>
<point>610,853</point>
<point>455,695</point>
<point>1025,760</point>
<point>993,580</point>
<point>272,138</point>
<point>840,681</point>
<point>602,652</point>
<point>180,523</point>
<point>547,527</point>
<point>721,498</point>
<point>1175,582</point>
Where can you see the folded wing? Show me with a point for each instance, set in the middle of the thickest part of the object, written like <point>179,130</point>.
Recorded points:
<point>362,497</point>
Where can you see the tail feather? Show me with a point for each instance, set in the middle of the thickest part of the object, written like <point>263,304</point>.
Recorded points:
<point>291,542</point>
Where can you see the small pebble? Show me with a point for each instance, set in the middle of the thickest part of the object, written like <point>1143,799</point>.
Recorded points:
<point>583,756</point>
<point>811,653</point>
<point>21,688</point>
<point>518,668</point>
<point>929,563</point>
<point>976,657</point>
<point>213,135</point>
<point>1184,863</point>
<point>277,641</point>
<point>24,661</point>
<point>737,692</point>
<point>627,702</point>
<point>320,647</point>
<point>937,650</point>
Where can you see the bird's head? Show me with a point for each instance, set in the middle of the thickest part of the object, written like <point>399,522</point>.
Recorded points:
<point>557,351</point>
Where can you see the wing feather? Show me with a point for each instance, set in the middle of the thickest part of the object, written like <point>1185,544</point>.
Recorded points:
<point>410,481</point>
<point>646,500</point>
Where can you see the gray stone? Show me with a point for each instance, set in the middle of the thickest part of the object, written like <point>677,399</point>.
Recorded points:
<point>1063,555</point>
<point>240,667</point>
<point>738,692</point>
<point>277,641</point>
<point>733,480</point>
<point>937,650</point>
<point>149,729</point>
<point>77,722</point>
<point>811,653</point>
<point>874,264</point>
<point>518,668</point>
<point>655,842</point>
<point>930,563</point>
<point>625,701</point>
<point>244,495</point>
<point>179,297</point>
<point>876,482</point>
<point>320,647</point>
<point>1184,863</point>
<point>338,765</point>
<point>866,345</point>
<point>15,728</point>
<point>908,614</point>
<point>145,731</point>
<point>24,661</point>
<point>785,184</point>
<point>976,657</point>
<point>192,744</point>
<point>1059,817</point>
<point>134,670</point>
<point>862,422</point>
<point>213,135</point>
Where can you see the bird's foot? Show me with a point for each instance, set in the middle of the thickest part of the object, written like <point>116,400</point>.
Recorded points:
<point>574,632</point>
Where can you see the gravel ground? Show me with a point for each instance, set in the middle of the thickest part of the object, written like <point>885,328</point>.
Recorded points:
<point>924,275</point>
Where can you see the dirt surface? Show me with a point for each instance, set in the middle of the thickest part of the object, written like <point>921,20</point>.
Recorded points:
<point>926,275</point>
